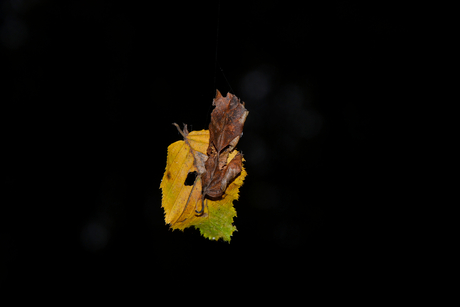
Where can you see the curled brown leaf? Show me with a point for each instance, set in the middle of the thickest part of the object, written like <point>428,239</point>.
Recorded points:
<point>225,129</point>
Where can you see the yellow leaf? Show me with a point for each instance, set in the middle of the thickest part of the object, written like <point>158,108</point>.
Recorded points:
<point>181,201</point>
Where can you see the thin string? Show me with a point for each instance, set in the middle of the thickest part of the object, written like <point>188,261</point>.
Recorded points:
<point>217,46</point>
<point>217,65</point>
<point>216,61</point>
<point>228,83</point>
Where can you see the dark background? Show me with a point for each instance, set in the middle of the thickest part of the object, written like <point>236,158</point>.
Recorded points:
<point>91,89</point>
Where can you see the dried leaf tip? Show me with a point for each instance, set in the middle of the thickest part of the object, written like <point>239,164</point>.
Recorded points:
<point>218,95</point>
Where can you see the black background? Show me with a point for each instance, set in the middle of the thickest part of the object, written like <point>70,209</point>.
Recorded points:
<point>92,88</point>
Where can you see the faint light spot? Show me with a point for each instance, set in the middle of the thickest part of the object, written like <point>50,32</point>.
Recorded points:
<point>21,5</point>
<point>256,84</point>
<point>257,151</point>
<point>94,236</point>
<point>268,195</point>
<point>13,33</point>
<point>288,234</point>
<point>309,123</point>
<point>304,120</point>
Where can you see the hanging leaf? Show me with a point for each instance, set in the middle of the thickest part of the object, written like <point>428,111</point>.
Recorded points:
<point>204,173</point>
<point>225,130</point>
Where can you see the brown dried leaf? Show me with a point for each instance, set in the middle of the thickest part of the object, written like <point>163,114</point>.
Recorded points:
<point>225,130</point>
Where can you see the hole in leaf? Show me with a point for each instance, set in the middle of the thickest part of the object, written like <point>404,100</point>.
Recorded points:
<point>190,178</point>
